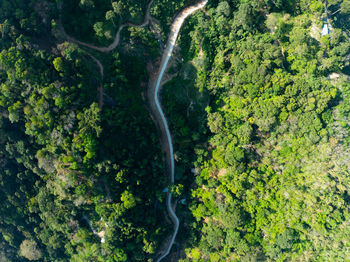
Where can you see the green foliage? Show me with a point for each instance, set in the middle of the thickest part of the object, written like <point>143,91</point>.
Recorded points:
<point>271,187</point>
<point>58,64</point>
<point>260,126</point>
<point>69,168</point>
<point>177,190</point>
<point>128,200</point>
<point>345,7</point>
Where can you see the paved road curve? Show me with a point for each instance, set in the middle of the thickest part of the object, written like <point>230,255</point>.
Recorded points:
<point>175,29</point>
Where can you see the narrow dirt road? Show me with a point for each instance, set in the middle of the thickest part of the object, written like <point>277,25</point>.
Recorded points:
<point>153,96</point>
<point>117,36</point>
<point>105,49</point>
<point>100,88</point>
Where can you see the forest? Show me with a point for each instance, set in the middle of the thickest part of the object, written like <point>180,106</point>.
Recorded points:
<point>73,173</point>
<point>271,175</point>
<point>257,101</point>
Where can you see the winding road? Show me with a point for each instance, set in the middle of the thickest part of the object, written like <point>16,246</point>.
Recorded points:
<point>117,35</point>
<point>159,114</point>
<point>153,96</point>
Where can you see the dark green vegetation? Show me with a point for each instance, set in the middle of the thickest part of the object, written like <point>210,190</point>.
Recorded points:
<point>274,175</point>
<point>259,119</point>
<point>97,20</point>
<point>63,160</point>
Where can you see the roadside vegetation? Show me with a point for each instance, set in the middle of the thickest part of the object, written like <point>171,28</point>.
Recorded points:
<point>272,181</point>
<point>64,160</point>
<point>257,103</point>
